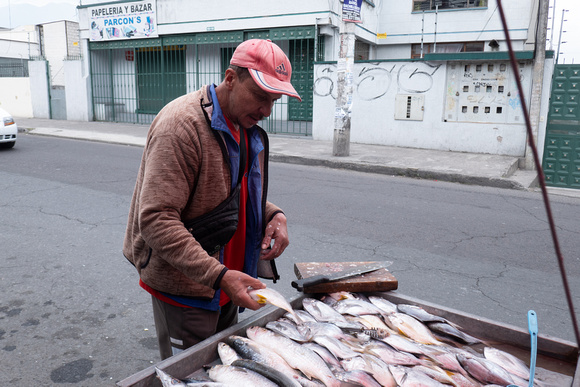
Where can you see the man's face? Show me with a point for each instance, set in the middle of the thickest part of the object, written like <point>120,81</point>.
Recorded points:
<point>249,104</point>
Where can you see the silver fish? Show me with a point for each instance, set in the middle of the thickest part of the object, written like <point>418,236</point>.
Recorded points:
<point>372,365</point>
<point>300,317</point>
<point>507,361</point>
<point>169,381</point>
<point>272,297</point>
<point>389,355</point>
<point>402,343</point>
<point>485,370</point>
<point>451,331</point>
<point>419,313</point>
<point>326,355</point>
<point>310,329</point>
<point>358,377</point>
<point>411,327</point>
<point>407,377</point>
<point>322,312</point>
<point>249,349</point>
<point>289,330</point>
<point>357,307</point>
<point>274,375</point>
<point>239,376</point>
<point>335,346</point>
<point>296,355</point>
<point>383,304</point>
<point>227,354</point>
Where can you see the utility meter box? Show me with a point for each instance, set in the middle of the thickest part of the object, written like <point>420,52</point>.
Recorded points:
<point>409,107</point>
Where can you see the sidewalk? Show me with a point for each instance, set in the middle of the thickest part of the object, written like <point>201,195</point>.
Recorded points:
<point>466,168</point>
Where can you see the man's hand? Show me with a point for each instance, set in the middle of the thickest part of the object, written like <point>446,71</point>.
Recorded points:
<point>277,231</point>
<point>235,284</point>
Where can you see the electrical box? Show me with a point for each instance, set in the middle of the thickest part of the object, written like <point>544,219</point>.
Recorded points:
<point>409,107</point>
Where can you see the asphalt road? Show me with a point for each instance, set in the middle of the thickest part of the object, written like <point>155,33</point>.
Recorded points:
<point>71,311</point>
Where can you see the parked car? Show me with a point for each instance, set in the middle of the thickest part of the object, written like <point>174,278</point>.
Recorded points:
<point>8,130</point>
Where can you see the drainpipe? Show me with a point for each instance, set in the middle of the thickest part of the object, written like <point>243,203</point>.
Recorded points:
<point>537,80</point>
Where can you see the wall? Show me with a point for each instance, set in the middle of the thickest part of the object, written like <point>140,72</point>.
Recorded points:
<point>39,88</point>
<point>377,86</point>
<point>15,97</point>
<point>76,91</point>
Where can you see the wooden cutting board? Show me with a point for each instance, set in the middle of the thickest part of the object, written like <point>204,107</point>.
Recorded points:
<point>376,281</point>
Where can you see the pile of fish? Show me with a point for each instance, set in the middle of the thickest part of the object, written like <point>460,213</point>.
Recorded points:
<point>348,339</point>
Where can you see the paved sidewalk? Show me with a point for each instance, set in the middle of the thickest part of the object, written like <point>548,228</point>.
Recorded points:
<point>466,168</point>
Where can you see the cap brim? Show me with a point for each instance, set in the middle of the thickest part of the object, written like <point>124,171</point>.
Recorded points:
<point>274,85</point>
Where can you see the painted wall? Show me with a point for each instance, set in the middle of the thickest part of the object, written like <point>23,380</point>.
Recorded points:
<point>407,104</point>
<point>15,97</point>
<point>76,91</point>
<point>39,88</point>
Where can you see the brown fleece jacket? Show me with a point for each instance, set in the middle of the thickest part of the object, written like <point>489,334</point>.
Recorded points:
<point>183,175</point>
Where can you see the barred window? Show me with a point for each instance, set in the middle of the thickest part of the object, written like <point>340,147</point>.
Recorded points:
<point>431,5</point>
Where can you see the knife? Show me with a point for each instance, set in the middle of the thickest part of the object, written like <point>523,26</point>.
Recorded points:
<point>300,284</point>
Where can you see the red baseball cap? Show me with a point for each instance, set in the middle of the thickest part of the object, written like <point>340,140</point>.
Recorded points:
<point>269,66</point>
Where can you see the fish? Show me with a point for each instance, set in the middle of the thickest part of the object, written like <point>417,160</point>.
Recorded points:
<point>383,304</point>
<point>444,357</point>
<point>300,316</point>
<point>412,328</point>
<point>507,361</point>
<point>274,375</point>
<point>419,313</point>
<point>451,331</point>
<point>372,365</point>
<point>296,355</point>
<point>371,322</point>
<point>252,350</point>
<point>390,355</point>
<point>322,312</point>
<point>326,355</point>
<point>289,330</point>
<point>402,343</point>
<point>227,354</point>
<point>485,370</point>
<point>170,381</point>
<point>238,376</point>
<point>360,378</point>
<point>272,297</point>
<point>335,346</point>
<point>407,377</point>
<point>310,329</point>
<point>356,307</point>
<point>435,372</point>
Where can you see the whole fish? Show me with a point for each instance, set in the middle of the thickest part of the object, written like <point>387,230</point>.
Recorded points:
<point>371,322</point>
<point>419,313</point>
<point>227,354</point>
<point>445,357</point>
<point>389,355</point>
<point>238,376</point>
<point>360,378</point>
<point>411,327</point>
<point>335,346</point>
<point>448,330</point>
<point>436,373</point>
<point>507,361</point>
<point>402,343</point>
<point>310,329</point>
<point>322,312</point>
<point>169,381</point>
<point>383,304</point>
<point>274,375</point>
<point>329,358</point>
<point>249,349</point>
<point>272,297</point>
<point>356,307</point>
<point>372,365</point>
<point>296,355</point>
<point>289,330</point>
<point>485,370</point>
<point>300,316</point>
<point>407,377</point>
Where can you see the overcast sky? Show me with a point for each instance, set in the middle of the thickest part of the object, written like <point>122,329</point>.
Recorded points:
<point>570,50</point>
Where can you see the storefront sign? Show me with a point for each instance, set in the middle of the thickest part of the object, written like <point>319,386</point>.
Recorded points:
<point>351,11</point>
<point>130,20</point>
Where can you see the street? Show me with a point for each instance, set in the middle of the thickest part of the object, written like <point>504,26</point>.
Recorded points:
<point>72,313</point>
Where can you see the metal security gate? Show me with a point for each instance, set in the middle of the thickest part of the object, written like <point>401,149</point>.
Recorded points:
<point>561,162</point>
<point>133,79</point>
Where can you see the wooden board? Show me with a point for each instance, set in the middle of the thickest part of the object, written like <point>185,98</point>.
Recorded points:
<point>380,280</point>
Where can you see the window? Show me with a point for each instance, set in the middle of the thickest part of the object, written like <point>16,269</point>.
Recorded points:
<point>361,50</point>
<point>445,48</point>
<point>431,5</point>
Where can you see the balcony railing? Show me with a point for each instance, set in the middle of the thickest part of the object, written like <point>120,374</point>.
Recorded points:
<point>431,5</point>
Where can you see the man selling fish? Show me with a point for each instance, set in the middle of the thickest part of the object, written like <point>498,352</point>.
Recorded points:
<point>199,222</point>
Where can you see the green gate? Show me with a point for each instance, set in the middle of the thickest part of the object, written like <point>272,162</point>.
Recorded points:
<point>133,79</point>
<point>561,161</point>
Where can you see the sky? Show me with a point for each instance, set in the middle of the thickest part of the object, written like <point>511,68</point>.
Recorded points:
<point>569,46</point>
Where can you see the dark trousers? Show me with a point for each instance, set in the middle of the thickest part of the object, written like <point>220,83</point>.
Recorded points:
<point>180,328</point>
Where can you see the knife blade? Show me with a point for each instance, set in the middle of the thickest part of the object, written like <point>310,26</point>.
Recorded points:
<point>300,284</point>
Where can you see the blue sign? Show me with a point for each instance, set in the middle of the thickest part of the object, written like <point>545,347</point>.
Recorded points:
<point>351,10</point>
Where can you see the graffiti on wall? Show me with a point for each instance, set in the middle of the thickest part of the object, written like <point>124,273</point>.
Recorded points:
<point>374,80</point>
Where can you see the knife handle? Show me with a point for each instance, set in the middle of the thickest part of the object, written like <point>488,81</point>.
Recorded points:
<point>310,281</point>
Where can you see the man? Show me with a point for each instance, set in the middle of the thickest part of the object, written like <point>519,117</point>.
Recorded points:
<point>205,154</point>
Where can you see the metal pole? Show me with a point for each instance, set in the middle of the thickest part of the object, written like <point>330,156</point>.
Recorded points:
<point>560,38</point>
<point>435,35</point>
<point>552,28</point>
<point>422,29</point>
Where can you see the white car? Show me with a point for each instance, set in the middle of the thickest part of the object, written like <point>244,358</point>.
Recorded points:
<point>8,130</point>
